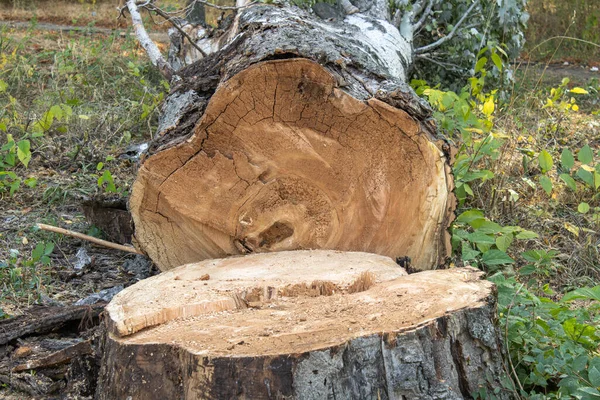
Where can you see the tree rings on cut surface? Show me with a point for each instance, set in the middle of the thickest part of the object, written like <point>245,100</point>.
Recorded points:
<point>284,159</point>
<point>301,325</point>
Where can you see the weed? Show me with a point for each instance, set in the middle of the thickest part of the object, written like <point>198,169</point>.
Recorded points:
<point>552,345</point>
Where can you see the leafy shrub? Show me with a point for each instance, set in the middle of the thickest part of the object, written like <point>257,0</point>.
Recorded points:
<point>552,345</point>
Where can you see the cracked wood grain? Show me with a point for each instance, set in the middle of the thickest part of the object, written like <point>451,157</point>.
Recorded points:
<point>283,159</point>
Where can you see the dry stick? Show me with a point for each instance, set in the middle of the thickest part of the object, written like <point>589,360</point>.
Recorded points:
<point>160,12</point>
<point>92,239</point>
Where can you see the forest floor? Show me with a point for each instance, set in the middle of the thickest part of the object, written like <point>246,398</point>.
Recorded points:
<point>84,102</point>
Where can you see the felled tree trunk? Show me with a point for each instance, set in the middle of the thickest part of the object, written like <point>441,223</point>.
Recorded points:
<point>302,325</point>
<point>295,132</point>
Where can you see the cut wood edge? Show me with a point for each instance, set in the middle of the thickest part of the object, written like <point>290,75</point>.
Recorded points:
<point>234,283</point>
<point>416,336</point>
<point>209,196</point>
<point>303,324</point>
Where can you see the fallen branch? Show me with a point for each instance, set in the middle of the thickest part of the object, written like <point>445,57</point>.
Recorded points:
<point>88,238</point>
<point>56,358</point>
<point>44,319</point>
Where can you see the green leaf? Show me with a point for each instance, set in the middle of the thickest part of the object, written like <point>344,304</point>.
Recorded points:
<point>468,253</point>
<point>524,235</point>
<point>588,390</point>
<point>14,186</point>
<point>583,207</point>
<point>569,181</point>
<point>497,61</point>
<point>480,64</point>
<point>486,226</point>
<point>566,159</point>
<point>470,216</point>
<point>481,238</point>
<point>48,248</point>
<point>38,252</point>
<point>594,376</point>
<point>468,189</point>
<point>3,86</point>
<point>545,160</point>
<point>585,155</point>
<point>496,257</point>
<point>527,270</point>
<point>585,176</point>
<point>24,152</point>
<point>504,242</point>
<point>546,184</point>
<point>583,293</point>
<point>31,182</point>
<point>56,112</point>
<point>532,255</point>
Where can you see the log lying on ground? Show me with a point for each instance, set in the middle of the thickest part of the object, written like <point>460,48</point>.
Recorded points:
<point>302,325</point>
<point>298,134</point>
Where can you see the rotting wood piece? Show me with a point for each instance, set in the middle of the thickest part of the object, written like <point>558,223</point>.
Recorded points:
<point>59,357</point>
<point>283,159</point>
<point>428,335</point>
<point>40,319</point>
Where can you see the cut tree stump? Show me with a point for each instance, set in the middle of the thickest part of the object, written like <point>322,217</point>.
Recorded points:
<point>296,133</point>
<point>302,325</point>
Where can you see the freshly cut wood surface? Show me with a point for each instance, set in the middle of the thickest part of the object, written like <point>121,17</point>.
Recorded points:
<point>282,159</point>
<point>241,282</point>
<point>397,335</point>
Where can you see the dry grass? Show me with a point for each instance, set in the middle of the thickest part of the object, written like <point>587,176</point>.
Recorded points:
<point>103,13</point>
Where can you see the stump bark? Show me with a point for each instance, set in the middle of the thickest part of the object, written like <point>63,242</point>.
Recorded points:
<point>296,133</point>
<point>302,325</point>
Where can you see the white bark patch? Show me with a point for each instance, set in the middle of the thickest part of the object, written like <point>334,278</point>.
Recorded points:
<point>386,42</point>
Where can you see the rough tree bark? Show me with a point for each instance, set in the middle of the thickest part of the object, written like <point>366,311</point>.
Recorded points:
<point>302,325</point>
<point>295,132</point>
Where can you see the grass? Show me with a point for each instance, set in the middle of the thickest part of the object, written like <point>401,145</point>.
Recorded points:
<point>550,21</point>
<point>92,13</point>
<point>111,93</point>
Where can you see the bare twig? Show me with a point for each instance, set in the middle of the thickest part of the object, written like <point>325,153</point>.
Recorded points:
<point>218,7</point>
<point>417,26</point>
<point>443,40</point>
<point>160,12</point>
<point>151,49</point>
<point>92,239</point>
<point>418,7</point>
<point>444,64</point>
